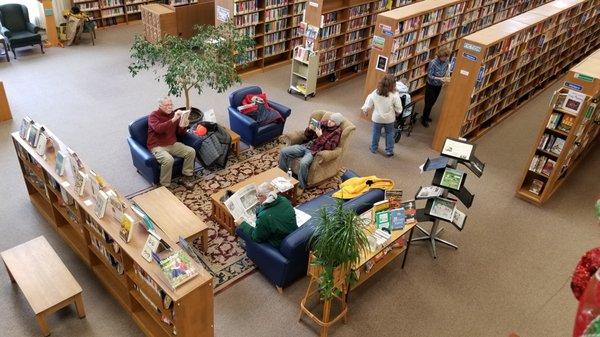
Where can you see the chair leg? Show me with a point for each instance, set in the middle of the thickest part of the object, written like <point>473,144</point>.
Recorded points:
<point>14,52</point>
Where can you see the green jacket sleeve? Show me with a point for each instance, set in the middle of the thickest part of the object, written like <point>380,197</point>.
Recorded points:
<point>246,228</point>
<point>261,231</point>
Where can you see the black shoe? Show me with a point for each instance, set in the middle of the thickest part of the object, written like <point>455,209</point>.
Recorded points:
<point>389,154</point>
<point>425,123</point>
<point>429,119</point>
<point>187,182</point>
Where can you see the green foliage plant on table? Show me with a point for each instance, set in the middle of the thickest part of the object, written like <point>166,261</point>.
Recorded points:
<point>208,59</point>
<point>339,241</point>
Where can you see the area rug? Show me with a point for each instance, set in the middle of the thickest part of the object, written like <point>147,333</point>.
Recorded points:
<point>225,258</point>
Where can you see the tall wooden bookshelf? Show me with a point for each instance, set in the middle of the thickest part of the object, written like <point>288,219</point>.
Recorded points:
<point>138,286</point>
<point>566,135</point>
<point>411,36</point>
<point>501,67</point>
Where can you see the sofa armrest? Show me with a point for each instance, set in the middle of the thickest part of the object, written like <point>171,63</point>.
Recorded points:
<point>293,138</point>
<point>191,139</point>
<point>142,152</point>
<point>282,109</point>
<point>236,117</point>
<point>5,32</point>
<point>32,28</point>
<point>327,155</point>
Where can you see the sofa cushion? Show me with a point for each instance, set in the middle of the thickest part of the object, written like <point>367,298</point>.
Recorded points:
<point>24,38</point>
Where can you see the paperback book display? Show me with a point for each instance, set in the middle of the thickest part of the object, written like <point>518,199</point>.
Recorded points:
<point>447,180</point>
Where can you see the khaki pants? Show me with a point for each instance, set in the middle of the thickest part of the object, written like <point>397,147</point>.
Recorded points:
<point>164,155</point>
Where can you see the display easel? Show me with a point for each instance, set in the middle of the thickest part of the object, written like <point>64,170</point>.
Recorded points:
<point>454,151</point>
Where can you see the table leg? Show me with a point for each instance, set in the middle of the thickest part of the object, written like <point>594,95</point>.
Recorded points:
<point>12,279</point>
<point>204,238</point>
<point>236,148</point>
<point>407,246</point>
<point>41,319</point>
<point>79,306</point>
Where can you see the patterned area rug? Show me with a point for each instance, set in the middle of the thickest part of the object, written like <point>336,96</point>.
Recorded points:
<point>226,259</point>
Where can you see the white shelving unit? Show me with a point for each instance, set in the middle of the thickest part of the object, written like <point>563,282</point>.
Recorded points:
<point>303,79</point>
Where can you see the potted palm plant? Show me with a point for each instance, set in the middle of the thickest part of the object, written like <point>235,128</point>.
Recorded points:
<point>337,243</point>
<point>207,59</point>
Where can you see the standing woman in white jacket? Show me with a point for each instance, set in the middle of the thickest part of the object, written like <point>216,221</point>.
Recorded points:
<point>385,103</point>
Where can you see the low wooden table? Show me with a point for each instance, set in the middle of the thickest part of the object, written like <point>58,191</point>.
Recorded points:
<point>235,141</point>
<point>172,216</point>
<point>43,278</point>
<point>221,214</point>
<point>3,42</point>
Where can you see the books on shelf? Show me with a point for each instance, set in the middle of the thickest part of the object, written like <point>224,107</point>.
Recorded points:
<point>548,167</point>
<point>59,163</point>
<point>178,268</point>
<point>566,122</point>
<point>536,186</point>
<point>127,224</point>
<point>24,129</point>
<point>101,203</point>
<point>80,182</point>
<point>573,101</point>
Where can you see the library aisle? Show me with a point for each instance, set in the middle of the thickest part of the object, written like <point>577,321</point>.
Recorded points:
<point>510,274</point>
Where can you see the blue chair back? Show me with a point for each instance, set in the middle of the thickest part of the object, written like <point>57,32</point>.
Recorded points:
<point>138,130</point>
<point>14,17</point>
<point>236,97</point>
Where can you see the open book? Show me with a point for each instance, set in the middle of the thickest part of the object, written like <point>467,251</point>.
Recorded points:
<point>243,204</point>
<point>184,119</point>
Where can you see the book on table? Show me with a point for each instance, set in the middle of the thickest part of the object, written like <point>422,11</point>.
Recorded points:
<point>80,182</point>
<point>101,203</point>
<point>127,223</point>
<point>394,197</point>
<point>42,144</point>
<point>410,211</point>
<point>382,219</point>
<point>397,218</point>
<point>178,268</point>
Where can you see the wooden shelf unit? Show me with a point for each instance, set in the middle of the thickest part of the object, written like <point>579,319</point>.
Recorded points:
<point>581,136</point>
<point>97,242</point>
<point>409,48</point>
<point>503,66</point>
<point>111,12</point>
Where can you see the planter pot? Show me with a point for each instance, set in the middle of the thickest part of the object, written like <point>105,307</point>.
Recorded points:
<point>339,272</point>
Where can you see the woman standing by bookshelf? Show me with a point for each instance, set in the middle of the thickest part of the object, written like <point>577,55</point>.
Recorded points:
<point>385,103</point>
<point>436,77</point>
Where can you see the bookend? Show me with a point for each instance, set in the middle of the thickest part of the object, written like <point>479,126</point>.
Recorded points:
<point>464,196</point>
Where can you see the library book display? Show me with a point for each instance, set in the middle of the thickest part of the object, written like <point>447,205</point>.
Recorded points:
<point>75,201</point>
<point>501,67</point>
<point>448,179</point>
<point>406,39</point>
<point>569,131</point>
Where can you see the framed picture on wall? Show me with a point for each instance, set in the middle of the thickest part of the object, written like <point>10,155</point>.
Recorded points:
<point>381,63</point>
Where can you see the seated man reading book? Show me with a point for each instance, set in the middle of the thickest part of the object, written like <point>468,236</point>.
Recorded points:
<point>324,135</point>
<point>275,217</point>
<point>163,128</point>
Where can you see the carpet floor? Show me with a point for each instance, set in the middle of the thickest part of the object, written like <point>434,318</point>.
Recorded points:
<point>510,273</point>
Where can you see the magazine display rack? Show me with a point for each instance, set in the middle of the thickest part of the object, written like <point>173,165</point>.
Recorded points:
<point>500,68</point>
<point>139,286</point>
<point>448,180</point>
<point>568,133</point>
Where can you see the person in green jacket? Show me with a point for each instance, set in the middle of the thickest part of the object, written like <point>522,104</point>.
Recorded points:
<point>275,218</point>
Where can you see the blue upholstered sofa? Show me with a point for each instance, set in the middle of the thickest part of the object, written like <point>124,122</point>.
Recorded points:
<point>248,129</point>
<point>288,263</point>
<point>144,160</point>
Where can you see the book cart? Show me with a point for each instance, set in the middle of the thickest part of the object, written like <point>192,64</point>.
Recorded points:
<point>406,39</point>
<point>139,286</point>
<point>569,131</point>
<point>503,66</point>
<point>303,79</point>
<point>448,179</point>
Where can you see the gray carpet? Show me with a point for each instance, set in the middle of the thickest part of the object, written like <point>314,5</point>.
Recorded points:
<point>511,272</point>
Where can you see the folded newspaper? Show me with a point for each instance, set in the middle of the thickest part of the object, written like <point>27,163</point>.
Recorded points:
<point>282,184</point>
<point>243,204</point>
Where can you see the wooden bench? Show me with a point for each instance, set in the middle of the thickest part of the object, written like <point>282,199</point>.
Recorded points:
<point>43,278</point>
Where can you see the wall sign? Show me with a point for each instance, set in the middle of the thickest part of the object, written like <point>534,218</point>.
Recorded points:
<point>464,72</point>
<point>573,86</point>
<point>386,30</point>
<point>378,42</point>
<point>314,4</point>
<point>470,57</point>
<point>222,14</point>
<point>381,63</point>
<point>472,47</point>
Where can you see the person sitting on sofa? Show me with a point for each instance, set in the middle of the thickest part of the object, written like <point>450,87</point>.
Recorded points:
<point>325,137</point>
<point>163,128</point>
<point>275,218</point>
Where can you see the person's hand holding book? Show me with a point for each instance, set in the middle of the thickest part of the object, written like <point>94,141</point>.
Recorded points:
<point>176,116</point>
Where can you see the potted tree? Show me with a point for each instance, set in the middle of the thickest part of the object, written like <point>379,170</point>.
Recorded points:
<point>208,58</point>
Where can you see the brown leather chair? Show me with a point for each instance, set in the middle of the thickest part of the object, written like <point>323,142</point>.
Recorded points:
<point>327,163</point>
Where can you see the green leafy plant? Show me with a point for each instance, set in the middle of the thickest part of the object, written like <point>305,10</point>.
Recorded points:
<point>338,241</point>
<point>208,59</point>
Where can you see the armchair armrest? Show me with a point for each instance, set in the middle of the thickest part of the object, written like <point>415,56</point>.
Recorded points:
<point>4,31</point>
<point>327,155</point>
<point>240,118</point>
<point>282,109</point>
<point>142,152</point>
<point>32,28</point>
<point>190,139</point>
<point>293,138</point>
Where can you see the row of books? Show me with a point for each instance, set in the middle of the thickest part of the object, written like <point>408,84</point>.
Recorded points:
<point>409,25</point>
<point>163,317</point>
<point>132,9</point>
<point>357,35</point>
<point>551,143</point>
<point>89,6</point>
<point>299,8</point>
<point>275,25</point>
<point>245,7</point>
<point>430,17</point>
<point>398,68</point>
<point>454,9</point>
<point>275,3</point>
<point>327,56</point>
<point>247,19</point>
<point>275,37</point>
<point>560,121</point>
<point>251,56</point>
<point>403,54</point>
<point>276,13</point>
<point>326,69</point>
<point>113,261</point>
<point>330,31</point>
<point>112,12</point>
<point>428,31</point>
<point>249,30</point>
<point>110,3</point>
<point>359,10</point>
<point>274,49</point>
<point>329,18</point>
<point>358,23</point>
<point>352,48</point>
<point>542,164</point>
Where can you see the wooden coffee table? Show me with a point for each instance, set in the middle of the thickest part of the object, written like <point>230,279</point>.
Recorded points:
<point>172,216</point>
<point>221,214</point>
<point>43,278</point>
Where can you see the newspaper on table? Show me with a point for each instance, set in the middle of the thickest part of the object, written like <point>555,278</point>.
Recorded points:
<point>282,184</point>
<point>301,217</point>
<point>243,204</point>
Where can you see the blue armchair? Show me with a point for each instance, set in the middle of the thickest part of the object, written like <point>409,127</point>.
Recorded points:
<point>248,129</point>
<point>285,265</point>
<point>16,28</point>
<point>144,160</point>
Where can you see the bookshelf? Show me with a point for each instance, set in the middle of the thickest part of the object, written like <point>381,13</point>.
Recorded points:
<point>566,136</point>
<point>411,36</point>
<point>138,286</point>
<point>503,66</point>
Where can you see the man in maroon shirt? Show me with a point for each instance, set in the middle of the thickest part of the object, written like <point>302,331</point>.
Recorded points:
<point>163,128</point>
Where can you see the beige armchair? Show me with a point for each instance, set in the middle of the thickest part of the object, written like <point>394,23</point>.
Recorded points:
<point>326,163</point>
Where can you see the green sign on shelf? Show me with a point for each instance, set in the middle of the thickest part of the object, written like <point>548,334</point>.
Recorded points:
<point>583,77</point>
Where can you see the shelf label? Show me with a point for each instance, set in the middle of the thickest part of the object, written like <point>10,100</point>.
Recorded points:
<point>386,30</point>
<point>472,47</point>
<point>470,57</point>
<point>314,4</point>
<point>65,184</point>
<point>88,202</point>
<point>583,77</point>
<point>573,86</point>
<point>464,72</point>
<point>378,42</point>
<point>222,14</point>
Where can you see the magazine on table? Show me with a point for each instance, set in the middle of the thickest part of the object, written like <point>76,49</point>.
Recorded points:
<point>243,204</point>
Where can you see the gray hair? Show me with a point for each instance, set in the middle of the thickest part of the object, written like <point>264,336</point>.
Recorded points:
<point>264,189</point>
<point>162,100</point>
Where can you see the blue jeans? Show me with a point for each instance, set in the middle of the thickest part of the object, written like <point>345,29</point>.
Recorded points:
<point>389,137</point>
<point>289,153</point>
